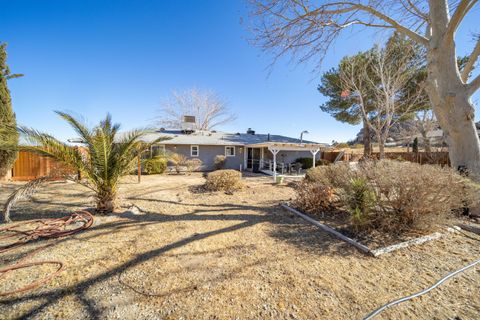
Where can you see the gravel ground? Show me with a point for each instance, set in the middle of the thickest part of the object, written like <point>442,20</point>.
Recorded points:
<point>193,255</point>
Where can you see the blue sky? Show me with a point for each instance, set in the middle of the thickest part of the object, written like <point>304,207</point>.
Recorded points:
<point>125,57</point>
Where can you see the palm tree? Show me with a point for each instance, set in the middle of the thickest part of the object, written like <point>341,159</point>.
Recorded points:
<point>105,157</point>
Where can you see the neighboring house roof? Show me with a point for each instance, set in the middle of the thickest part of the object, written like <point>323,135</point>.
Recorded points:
<point>216,138</point>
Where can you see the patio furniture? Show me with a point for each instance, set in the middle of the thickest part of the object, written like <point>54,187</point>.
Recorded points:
<point>295,168</point>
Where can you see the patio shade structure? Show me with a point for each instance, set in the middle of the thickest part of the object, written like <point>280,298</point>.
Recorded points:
<point>276,147</point>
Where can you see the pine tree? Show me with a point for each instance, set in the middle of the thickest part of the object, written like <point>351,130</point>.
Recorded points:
<point>8,123</point>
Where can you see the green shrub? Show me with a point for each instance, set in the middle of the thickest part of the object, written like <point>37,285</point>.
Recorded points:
<point>393,196</point>
<point>224,180</point>
<point>156,165</point>
<point>219,162</point>
<point>360,201</point>
<point>307,163</point>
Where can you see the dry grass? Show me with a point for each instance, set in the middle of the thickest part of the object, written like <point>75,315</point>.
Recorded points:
<point>218,256</point>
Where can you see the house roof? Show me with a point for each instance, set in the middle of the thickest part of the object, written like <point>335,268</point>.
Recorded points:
<point>217,138</point>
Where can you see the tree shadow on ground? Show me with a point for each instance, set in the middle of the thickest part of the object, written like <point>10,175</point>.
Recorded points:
<point>296,231</point>
<point>281,226</point>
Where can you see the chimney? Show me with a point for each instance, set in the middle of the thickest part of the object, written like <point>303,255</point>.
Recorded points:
<point>250,131</point>
<point>268,137</point>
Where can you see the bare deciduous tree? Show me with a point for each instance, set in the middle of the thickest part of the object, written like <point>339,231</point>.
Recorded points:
<point>308,29</point>
<point>210,110</point>
<point>383,76</point>
<point>425,122</point>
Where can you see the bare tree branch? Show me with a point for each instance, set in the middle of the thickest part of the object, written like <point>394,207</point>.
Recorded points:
<point>383,77</point>
<point>209,109</point>
<point>411,7</point>
<point>471,61</point>
<point>474,85</point>
<point>461,11</point>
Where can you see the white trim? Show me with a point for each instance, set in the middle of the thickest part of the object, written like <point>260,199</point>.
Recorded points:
<point>314,154</point>
<point>229,155</point>
<point>245,157</point>
<point>191,151</point>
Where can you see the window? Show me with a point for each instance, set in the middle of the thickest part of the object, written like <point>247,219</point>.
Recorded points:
<point>229,151</point>
<point>157,150</point>
<point>194,151</point>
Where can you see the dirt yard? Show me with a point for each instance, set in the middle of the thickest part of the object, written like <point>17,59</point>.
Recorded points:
<point>193,255</point>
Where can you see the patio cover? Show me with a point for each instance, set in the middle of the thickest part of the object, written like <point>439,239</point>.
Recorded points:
<point>276,147</point>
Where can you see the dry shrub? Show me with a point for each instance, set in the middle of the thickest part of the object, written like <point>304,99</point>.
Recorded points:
<point>413,196</point>
<point>224,180</point>
<point>335,176</point>
<point>193,164</point>
<point>391,196</point>
<point>178,161</point>
<point>219,162</point>
<point>314,198</point>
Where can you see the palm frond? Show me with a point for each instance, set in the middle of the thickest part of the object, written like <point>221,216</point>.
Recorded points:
<point>84,133</point>
<point>48,146</point>
<point>25,191</point>
<point>107,159</point>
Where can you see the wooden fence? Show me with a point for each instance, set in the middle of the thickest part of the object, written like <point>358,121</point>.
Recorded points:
<point>440,158</point>
<point>29,166</point>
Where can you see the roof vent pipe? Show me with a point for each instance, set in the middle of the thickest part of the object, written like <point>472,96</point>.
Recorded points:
<point>268,137</point>
<point>301,135</point>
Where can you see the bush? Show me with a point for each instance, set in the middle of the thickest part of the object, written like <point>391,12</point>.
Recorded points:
<point>322,162</point>
<point>193,164</point>
<point>390,196</point>
<point>308,162</point>
<point>314,198</point>
<point>357,146</point>
<point>177,160</point>
<point>360,201</point>
<point>156,165</point>
<point>224,180</point>
<point>219,162</point>
<point>342,145</point>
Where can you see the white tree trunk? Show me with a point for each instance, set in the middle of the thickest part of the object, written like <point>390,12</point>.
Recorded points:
<point>449,94</point>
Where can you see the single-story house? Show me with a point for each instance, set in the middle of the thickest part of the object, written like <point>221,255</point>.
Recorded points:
<point>243,151</point>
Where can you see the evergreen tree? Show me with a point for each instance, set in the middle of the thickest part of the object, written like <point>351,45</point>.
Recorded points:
<point>8,123</point>
<point>341,105</point>
<point>345,107</point>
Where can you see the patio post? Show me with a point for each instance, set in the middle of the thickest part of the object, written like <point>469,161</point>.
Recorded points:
<point>314,153</point>
<point>274,152</point>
